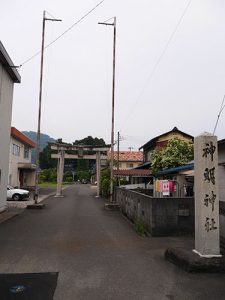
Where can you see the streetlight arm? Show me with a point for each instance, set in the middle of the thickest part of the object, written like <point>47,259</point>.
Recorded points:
<point>56,20</point>
<point>109,24</point>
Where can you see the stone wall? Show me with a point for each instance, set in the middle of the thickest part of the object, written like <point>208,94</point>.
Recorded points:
<point>163,216</point>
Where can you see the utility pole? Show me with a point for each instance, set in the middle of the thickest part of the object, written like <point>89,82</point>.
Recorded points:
<point>118,157</point>
<point>40,100</point>
<point>113,104</point>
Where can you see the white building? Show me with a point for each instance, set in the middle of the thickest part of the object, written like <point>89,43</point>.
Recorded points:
<point>21,170</point>
<point>8,76</point>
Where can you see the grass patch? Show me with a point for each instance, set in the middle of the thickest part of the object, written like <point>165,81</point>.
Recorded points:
<point>139,227</point>
<point>51,184</point>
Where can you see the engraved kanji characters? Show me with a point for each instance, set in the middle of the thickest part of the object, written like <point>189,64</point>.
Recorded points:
<point>209,175</point>
<point>210,224</point>
<point>210,200</point>
<point>209,149</point>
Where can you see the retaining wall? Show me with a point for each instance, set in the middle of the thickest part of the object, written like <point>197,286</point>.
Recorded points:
<point>163,216</point>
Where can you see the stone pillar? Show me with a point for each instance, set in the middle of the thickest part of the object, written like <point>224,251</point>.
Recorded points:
<point>60,172</point>
<point>98,171</point>
<point>207,243</point>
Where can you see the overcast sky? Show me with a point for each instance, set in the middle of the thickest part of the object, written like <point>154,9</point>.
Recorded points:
<point>159,85</point>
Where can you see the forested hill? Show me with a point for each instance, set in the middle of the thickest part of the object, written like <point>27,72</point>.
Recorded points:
<point>44,140</point>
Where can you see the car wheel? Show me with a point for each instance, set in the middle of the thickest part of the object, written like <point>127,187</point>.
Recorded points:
<point>16,197</point>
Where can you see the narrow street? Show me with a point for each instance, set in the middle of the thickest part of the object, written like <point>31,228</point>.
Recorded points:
<point>97,253</point>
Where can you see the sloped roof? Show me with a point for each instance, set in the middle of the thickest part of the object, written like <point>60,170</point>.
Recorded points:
<point>19,136</point>
<point>221,142</point>
<point>154,140</point>
<point>8,64</point>
<point>128,156</point>
<point>189,166</point>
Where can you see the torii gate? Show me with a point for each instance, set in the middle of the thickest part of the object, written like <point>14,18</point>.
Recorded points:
<point>61,148</point>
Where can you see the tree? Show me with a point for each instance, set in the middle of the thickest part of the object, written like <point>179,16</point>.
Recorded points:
<point>83,175</point>
<point>176,153</point>
<point>90,141</point>
<point>46,162</point>
<point>87,165</point>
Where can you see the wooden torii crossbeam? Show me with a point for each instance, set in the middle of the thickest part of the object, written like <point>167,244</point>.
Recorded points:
<point>100,154</point>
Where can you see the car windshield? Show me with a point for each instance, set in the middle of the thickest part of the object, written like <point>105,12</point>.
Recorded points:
<point>9,187</point>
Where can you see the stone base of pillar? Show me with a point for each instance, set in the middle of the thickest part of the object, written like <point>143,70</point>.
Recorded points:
<point>36,206</point>
<point>206,256</point>
<point>59,196</point>
<point>112,206</point>
<point>190,261</point>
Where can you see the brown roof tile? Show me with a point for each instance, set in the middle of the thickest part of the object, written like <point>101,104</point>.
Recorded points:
<point>128,156</point>
<point>21,137</point>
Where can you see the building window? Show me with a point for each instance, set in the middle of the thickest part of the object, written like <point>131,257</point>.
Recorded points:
<point>149,156</point>
<point>130,165</point>
<point>26,152</point>
<point>16,150</point>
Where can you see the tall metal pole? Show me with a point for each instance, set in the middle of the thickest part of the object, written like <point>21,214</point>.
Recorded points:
<point>113,106</point>
<point>39,110</point>
<point>118,157</point>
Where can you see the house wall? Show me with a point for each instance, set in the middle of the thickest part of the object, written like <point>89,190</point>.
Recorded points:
<point>13,164</point>
<point>173,135</point>
<point>161,142</point>
<point>221,170</point>
<point>6,96</point>
<point>124,164</point>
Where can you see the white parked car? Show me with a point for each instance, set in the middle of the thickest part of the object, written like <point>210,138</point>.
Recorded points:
<point>16,194</point>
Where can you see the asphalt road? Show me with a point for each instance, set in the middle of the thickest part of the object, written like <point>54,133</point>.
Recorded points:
<point>97,253</point>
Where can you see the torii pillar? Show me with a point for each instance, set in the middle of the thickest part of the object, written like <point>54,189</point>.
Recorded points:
<point>98,171</point>
<point>60,172</point>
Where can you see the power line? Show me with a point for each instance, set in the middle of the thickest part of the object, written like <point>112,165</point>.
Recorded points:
<point>62,34</point>
<point>160,57</point>
<point>220,111</point>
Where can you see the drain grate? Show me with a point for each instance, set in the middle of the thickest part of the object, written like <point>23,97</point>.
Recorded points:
<point>27,286</point>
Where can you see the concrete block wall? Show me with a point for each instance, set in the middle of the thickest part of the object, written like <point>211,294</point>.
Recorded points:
<point>163,216</point>
<point>160,216</point>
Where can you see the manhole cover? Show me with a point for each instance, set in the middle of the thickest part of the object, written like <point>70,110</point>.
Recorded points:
<point>18,289</point>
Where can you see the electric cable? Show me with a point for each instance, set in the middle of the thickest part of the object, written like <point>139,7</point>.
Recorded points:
<point>220,111</point>
<point>62,34</point>
<point>159,58</point>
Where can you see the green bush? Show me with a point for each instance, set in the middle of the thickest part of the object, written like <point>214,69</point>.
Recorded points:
<point>123,181</point>
<point>68,177</point>
<point>48,175</point>
<point>105,187</point>
<point>83,175</point>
